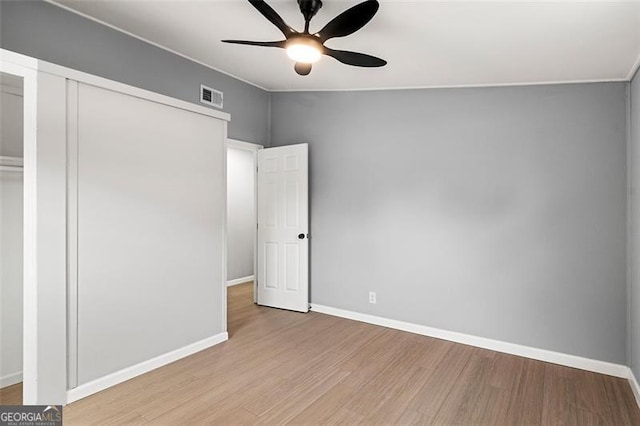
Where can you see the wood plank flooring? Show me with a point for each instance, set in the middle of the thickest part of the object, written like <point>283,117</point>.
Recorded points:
<point>11,395</point>
<point>283,367</point>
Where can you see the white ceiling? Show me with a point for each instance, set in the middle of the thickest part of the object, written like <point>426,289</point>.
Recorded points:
<point>427,44</point>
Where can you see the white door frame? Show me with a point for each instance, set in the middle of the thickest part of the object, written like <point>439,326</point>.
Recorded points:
<point>26,68</point>
<point>253,148</point>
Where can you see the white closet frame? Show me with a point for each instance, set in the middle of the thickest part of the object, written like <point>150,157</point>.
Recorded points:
<point>46,293</point>
<point>26,68</point>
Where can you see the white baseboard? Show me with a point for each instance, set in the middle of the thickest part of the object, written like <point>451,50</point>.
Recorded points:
<point>574,361</point>
<point>113,379</point>
<point>635,387</point>
<point>10,379</point>
<point>240,280</point>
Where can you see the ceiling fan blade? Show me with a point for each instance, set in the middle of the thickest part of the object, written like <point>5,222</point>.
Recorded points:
<point>258,43</point>
<point>355,58</point>
<point>302,68</point>
<point>349,21</point>
<point>272,16</point>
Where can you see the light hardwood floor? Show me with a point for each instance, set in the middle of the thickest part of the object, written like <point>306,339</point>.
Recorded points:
<point>11,395</point>
<point>284,367</point>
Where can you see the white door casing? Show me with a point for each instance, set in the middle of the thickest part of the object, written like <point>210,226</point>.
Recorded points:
<point>283,227</point>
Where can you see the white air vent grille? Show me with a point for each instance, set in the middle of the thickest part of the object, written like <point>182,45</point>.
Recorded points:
<point>211,96</point>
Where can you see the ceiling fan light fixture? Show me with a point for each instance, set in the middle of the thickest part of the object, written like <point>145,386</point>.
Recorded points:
<point>304,51</point>
<point>306,48</point>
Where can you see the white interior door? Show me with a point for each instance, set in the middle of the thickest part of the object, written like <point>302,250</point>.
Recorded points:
<point>283,227</point>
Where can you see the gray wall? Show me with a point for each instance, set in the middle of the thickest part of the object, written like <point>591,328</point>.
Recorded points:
<point>241,219</point>
<point>634,225</point>
<point>498,212</point>
<point>47,32</point>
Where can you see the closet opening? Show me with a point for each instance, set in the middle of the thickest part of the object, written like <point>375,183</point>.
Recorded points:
<point>11,238</point>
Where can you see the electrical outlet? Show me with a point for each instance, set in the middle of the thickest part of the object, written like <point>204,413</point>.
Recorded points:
<point>372,297</point>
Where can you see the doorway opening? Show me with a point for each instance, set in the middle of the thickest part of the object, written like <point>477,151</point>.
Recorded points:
<point>242,213</point>
<point>268,211</point>
<point>11,238</point>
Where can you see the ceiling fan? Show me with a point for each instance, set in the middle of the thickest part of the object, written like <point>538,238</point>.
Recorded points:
<point>306,48</point>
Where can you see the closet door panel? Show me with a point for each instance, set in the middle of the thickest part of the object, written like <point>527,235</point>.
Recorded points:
<point>151,206</point>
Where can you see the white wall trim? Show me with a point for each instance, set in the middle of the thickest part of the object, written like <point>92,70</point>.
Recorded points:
<point>635,387</point>
<point>223,242</point>
<point>25,67</point>
<point>10,379</point>
<point>18,59</point>
<point>630,245</point>
<point>457,86</point>
<point>248,146</point>
<point>634,69</point>
<point>241,280</point>
<point>128,373</point>
<point>72,232</point>
<point>603,367</point>
<point>105,83</point>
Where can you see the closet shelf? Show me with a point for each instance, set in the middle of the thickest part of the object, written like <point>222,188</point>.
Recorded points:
<point>11,163</point>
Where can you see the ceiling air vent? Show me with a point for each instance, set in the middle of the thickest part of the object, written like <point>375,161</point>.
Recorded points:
<point>211,96</point>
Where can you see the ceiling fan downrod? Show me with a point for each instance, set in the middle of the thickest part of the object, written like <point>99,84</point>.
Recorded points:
<point>309,8</point>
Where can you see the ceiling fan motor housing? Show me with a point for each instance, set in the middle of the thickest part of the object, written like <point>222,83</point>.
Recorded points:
<point>309,8</point>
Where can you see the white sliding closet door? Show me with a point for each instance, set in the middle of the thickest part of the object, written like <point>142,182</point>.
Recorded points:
<point>148,184</point>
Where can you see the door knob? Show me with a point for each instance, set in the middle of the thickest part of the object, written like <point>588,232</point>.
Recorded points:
<point>301,236</point>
